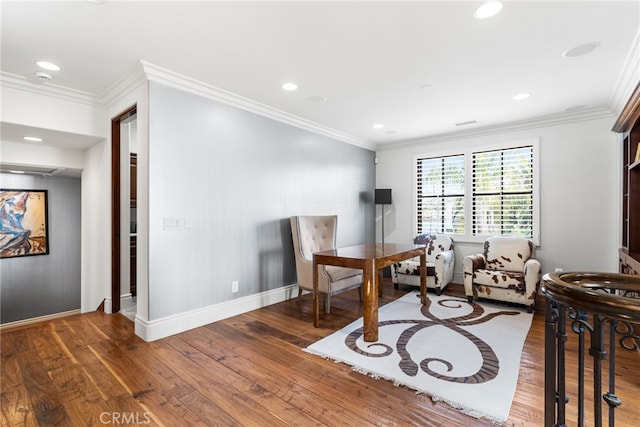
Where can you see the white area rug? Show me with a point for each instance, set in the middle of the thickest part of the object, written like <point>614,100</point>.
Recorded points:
<point>467,355</point>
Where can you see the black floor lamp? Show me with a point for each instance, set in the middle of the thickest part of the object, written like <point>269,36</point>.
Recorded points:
<point>383,197</point>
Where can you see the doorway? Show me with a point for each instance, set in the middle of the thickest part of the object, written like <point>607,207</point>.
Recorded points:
<point>120,147</point>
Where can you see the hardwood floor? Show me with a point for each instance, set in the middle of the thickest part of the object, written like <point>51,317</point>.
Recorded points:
<point>247,370</point>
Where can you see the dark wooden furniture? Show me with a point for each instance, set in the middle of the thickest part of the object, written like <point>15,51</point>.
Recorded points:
<point>628,124</point>
<point>371,259</point>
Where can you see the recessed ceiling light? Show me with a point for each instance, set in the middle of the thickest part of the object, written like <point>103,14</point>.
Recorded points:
<point>32,138</point>
<point>290,87</point>
<point>488,10</point>
<point>378,126</point>
<point>48,65</point>
<point>521,96</point>
<point>581,49</point>
<point>14,171</point>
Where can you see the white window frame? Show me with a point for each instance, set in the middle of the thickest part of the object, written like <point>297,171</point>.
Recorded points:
<point>468,151</point>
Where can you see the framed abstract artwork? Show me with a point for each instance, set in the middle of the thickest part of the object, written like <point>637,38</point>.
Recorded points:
<point>23,223</point>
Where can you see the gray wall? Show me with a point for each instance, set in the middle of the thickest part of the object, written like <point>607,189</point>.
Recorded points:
<point>39,285</point>
<point>233,178</point>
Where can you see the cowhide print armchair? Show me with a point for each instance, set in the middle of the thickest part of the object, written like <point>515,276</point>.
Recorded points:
<point>506,270</point>
<point>440,262</point>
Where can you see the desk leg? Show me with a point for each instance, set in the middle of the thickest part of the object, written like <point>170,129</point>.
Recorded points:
<point>316,302</point>
<point>423,279</point>
<point>370,311</point>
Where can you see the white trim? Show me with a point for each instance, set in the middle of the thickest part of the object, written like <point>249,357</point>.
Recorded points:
<point>48,317</point>
<point>24,84</point>
<point>126,301</point>
<point>546,121</point>
<point>628,79</point>
<point>190,85</point>
<point>170,325</point>
<point>124,86</point>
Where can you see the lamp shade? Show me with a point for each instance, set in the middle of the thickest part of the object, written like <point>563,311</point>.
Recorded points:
<point>383,196</point>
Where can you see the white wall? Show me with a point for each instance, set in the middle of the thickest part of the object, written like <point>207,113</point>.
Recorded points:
<point>579,193</point>
<point>232,179</point>
<point>27,154</point>
<point>26,107</point>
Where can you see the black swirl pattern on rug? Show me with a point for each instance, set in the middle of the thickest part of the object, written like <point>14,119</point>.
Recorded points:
<point>490,363</point>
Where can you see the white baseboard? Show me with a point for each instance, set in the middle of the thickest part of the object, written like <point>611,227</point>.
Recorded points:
<point>125,301</point>
<point>171,325</point>
<point>26,322</point>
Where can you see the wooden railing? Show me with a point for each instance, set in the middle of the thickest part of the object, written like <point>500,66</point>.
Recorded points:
<point>603,310</point>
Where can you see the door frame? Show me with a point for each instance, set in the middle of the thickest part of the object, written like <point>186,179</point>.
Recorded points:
<point>116,220</point>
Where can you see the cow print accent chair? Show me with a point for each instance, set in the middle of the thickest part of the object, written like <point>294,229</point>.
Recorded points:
<point>506,270</point>
<point>440,263</point>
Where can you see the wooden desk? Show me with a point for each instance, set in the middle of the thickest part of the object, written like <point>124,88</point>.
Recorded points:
<point>371,258</point>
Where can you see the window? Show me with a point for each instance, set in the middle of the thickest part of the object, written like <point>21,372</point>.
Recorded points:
<point>479,193</point>
<point>441,194</point>
<point>503,192</point>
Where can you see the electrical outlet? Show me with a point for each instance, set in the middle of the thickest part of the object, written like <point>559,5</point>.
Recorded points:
<point>234,286</point>
<point>173,223</point>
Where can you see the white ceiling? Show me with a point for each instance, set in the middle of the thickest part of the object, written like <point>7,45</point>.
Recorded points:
<point>370,60</point>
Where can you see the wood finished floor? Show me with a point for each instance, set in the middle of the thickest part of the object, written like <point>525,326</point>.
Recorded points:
<point>247,370</point>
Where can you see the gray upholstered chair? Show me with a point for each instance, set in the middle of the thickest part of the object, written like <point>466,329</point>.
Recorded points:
<point>506,270</point>
<point>440,263</point>
<point>314,234</point>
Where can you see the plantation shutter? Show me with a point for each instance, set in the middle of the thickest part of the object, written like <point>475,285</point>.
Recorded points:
<point>440,194</point>
<point>503,192</point>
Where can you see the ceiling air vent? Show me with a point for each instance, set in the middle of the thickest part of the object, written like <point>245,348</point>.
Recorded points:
<point>470,122</point>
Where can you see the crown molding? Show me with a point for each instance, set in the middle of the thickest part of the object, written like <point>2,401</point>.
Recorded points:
<point>629,114</point>
<point>133,78</point>
<point>188,84</point>
<point>628,80</point>
<point>545,121</point>
<point>145,71</point>
<point>24,84</point>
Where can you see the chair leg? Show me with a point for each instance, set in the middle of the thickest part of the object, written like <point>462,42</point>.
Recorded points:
<point>438,291</point>
<point>360,293</point>
<point>327,303</point>
<point>395,285</point>
<point>299,291</point>
<point>470,299</point>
